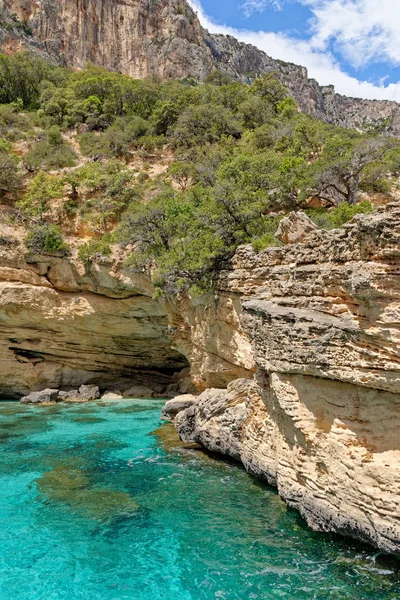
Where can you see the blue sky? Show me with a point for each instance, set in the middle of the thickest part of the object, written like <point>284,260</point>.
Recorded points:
<point>352,44</point>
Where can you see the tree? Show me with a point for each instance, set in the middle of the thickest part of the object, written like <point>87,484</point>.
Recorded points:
<point>218,78</point>
<point>21,76</point>
<point>345,164</point>
<point>256,111</point>
<point>270,88</point>
<point>9,177</point>
<point>57,105</point>
<point>200,125</point>
<point>164,116</point>
<point>181,173</point>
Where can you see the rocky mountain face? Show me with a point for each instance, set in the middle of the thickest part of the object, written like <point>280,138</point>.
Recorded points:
<point>320,418</point>
<point>142,38</point>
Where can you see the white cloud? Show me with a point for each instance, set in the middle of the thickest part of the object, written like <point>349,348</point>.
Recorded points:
<point>314,54</point>
<point>252,6</point>
<point>364,31</point>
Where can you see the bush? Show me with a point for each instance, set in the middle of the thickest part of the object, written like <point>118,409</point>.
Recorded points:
<point>94,251</point>
<point>46,238</point>
<point>9,177</point>
<point>338,216</point>
<point>41,190</point>
<point>50,153</point>
<point>13,126</point>
<point>94,144</point>
<point>200,125</point>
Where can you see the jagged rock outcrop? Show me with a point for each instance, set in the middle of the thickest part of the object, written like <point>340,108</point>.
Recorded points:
<point>176,405</point>
<point>321,418</point>
<point>47,396</point>
<point>63,325</point>
<point>329,447</point>
<point>295,228</point>
<point>164,37</point>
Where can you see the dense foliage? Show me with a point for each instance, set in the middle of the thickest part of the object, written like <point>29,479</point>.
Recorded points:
<point>234,159</point>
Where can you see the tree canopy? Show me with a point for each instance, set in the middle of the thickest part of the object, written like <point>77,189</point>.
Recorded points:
<point>236,158</point>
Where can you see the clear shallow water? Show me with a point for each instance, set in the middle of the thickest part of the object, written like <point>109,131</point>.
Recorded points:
<point>98,503</point>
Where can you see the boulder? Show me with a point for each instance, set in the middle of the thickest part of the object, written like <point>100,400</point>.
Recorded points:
<point>177,405</point>
<point>295,228</point>
<point>138,391</point>
<point>69,395</point>
<point>111,396</point>
<point>88,393</point>
<point>43,397</point>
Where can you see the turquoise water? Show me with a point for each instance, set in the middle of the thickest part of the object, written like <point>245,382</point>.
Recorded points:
<point>97,502</point>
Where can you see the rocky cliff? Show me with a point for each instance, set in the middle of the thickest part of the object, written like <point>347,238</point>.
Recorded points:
<point>63,324</point>
<point>305,337</point>
<point>142,38</point>
<point>320,420</point>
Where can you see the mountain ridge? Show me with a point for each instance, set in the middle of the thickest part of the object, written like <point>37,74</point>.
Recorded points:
<point>143,38</point>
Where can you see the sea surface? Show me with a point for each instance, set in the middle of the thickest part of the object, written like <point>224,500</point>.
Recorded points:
<point>101,502</point>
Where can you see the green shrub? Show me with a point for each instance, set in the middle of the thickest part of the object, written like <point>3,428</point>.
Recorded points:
<point>46,238</point>
<point>9,176</point>
<point>94,144</point>
<point>94,251</point>
<point>149,143</point>
<point>338,216</point>
<point>40,191</point>
<point>50,154</point>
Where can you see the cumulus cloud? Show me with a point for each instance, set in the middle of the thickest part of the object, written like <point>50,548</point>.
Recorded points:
<point>364,31</point>
<point>327,26</point>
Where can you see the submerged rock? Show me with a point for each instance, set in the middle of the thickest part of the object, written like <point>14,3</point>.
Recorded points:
<point>70,485</point>
<point>48,396</point>
<point>176,405</point>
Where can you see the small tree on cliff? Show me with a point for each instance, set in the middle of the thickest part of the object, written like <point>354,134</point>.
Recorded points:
<point>345,166</point>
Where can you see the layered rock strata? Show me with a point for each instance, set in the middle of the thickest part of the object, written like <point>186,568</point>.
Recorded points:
<point>63,324</point>
<point>144,38</point>
<point>321,419</point>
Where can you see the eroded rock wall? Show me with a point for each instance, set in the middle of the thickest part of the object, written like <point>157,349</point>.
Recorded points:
<point>321,419</point>
<point>208,331</point>
<point>331,448</point>
<point>63,324</point>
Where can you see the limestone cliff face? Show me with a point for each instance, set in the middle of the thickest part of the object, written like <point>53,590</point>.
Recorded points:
<point>136,37</point>
<point>63,325</point>
<point>164,37</point>
<point>321,418</point>
<point>207,330</point>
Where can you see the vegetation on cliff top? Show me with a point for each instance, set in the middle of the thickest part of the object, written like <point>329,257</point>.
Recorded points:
<point>87,147</point>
